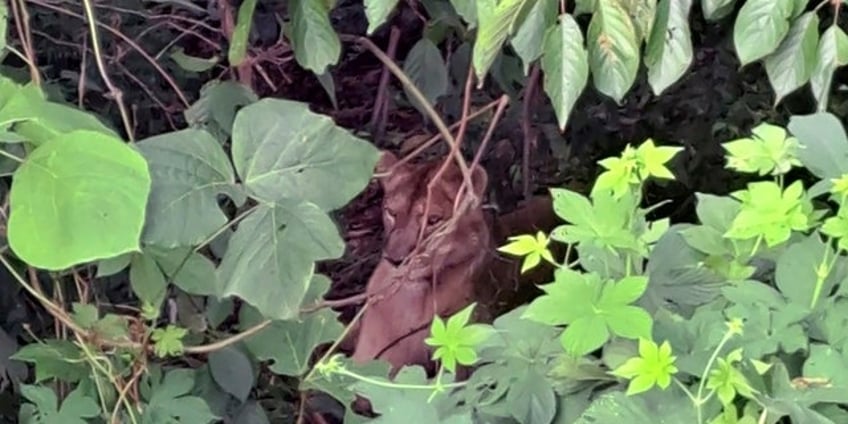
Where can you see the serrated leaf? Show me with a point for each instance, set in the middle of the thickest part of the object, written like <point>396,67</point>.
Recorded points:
<point>760,27</point>
<point>377,12</point>
<point>613,49</point>
<point>529,38</point>
<point>791,65</point>
<point>170,400</point>
<point>316,44</point>
<point>565,66</point>
<point>58,359</point>
<point>283,151</point>
<point>496,20</point>
<point>271,256</point>
<point>669,50</point>
<point>655,407</point>
<point>84,191</point>
<point>426,68</point>
<point>831,53</point>
<point>189,169</point>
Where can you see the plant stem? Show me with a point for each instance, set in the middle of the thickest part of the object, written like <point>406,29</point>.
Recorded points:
<point>700,398</point>
<point>11,156</point>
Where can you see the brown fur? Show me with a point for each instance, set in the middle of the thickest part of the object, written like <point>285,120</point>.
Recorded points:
<point>456,266</point>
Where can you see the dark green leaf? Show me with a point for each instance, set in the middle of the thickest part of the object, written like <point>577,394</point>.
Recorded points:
<point>233,372</point>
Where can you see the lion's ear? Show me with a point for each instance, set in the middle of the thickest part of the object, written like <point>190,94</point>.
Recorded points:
<point>480,180</point>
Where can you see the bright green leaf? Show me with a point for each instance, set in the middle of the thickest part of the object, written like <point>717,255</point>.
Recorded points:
<point>529,40</point>
<point>83,191</point>
<point>496,22</point>
<point>377,12</point>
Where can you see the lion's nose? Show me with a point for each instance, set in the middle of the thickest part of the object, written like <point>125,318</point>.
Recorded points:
<point>395,260</point>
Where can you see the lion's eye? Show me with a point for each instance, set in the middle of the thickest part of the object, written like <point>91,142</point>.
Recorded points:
<point>432,220</point>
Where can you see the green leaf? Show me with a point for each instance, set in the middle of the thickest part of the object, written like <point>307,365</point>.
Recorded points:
<point>84,191</point>
<point>824,144</point>
<point>613,49</point>
<point>270,259</point>
<point>170,401</point>
<point>771,213</point>
<point>455,342</point>
<point>797,270</point>
<point>377,12</point>
<point>238,42</point>
<point>398,404</point>
<point>655,407</point>
<point>53,358</point>
<point>531,399</point>
<point>289,344</point>
<point>831,53</point>
<point>168,340</point>
<point>281,150</point>
<point>468,10</point>
<point>75,408</point>
<point>189,170</point>
<point>643,14</point>
<point>669,50</point>
<point>233,372</point>
<point>315,42</point>
<point>530,37</point>
<point>768,151</point>
<point>147,280</point>
<point>565,66</point>
<point>716,9</point>
<point>791,65</point>
<point>216,108</point>
<point>192,63</point>
<point>760,27</point>
<point>426,68</point>
<point>653,366</point>
<point>113,265</point>
<point>4,22</point>
<point>496,20</point>
<point>188,270</point>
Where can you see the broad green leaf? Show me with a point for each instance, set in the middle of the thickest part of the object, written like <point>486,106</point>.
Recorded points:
<point>531,399</point>
<point>192,63</point>
<point>797,401</point>
<point>188,270</point>
<point>426,68</point>
<point>760,27</point>
<point>791,65</point>
<point>826,362</point>
<point>171,401</point>
<point>377,12</point>
<point>113,265</point>
<point>271,256</point>
<point>283,151</point>
<point>233,372</point>
<point>584,6</point>
<point>797,269</point>
<point>613,49</point>
<point>147,280</point>
<point>83,191</point>
<point>642,13</point>
<point>315,42</point>
<point>468,10</point>
<point>716,9</point>
<point>669,51</point>
<point>59,359</point>
<point>39,120</point>
<point>216,108</point>
<point>669,406</point>
<point>189,170</point>
<point>399,404</point>
<point>565,66</point>
<point>74,410</point>
<point>289,344</point>
<point>831,53</point>
<point>572,206</point>
<point>496,21</point>
<point>675,274</point>
<point>529,38</point>
<point>824,144</point>
<point>238,42</point>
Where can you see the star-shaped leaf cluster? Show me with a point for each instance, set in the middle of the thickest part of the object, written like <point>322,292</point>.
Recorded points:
<point>455,341</point>
<point>653,366</point>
